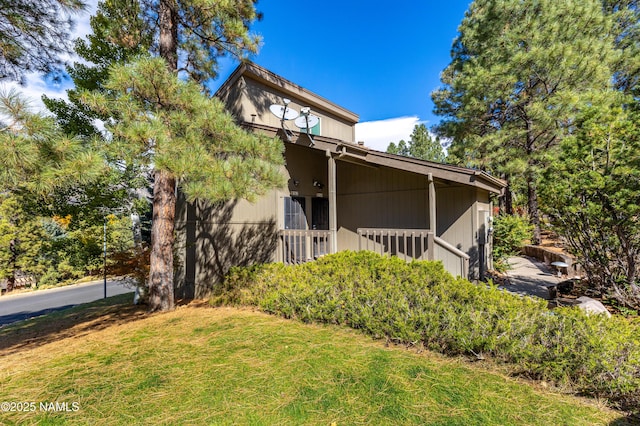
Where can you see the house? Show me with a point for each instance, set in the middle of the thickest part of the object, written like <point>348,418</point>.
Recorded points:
<point>340,195</point>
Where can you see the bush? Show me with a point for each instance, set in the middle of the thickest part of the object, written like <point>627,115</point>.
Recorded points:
<point>510,233</point>
<point>591,195</point>
<point>420,302</point>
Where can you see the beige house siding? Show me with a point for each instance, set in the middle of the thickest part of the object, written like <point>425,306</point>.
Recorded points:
<point>454,214</point>
<point>304,167</point>
<point>378,198</point>
<point>210,239</point>
<point>372,190</point>
<point>250,99</point>
<point>461,222</point>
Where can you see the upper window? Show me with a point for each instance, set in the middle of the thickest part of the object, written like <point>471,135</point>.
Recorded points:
<point>315,130</point>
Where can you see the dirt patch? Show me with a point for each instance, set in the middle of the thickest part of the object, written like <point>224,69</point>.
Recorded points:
<point>553,242</point>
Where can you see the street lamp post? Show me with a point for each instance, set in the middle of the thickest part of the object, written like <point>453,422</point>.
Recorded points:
<point>104,248</point>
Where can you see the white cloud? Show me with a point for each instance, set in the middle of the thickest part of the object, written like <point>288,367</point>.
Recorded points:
<point>34,88</point>
<point>36,85</point>
<point>378,134</point>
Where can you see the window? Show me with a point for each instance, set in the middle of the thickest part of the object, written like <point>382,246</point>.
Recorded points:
<point>315,130</point>
<point>294,215</point>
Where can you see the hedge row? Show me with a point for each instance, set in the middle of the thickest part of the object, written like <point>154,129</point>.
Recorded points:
<point>421,302</point>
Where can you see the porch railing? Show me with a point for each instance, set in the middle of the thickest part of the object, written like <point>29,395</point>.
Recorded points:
<point>406,243</point>
<point>419,244</point>
<point>299,246</point>
<point>454,260</point>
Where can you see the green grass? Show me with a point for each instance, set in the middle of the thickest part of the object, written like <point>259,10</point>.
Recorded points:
<point>228,366</point>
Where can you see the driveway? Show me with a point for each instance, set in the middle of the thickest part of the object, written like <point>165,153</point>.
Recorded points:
<point>20,306</point>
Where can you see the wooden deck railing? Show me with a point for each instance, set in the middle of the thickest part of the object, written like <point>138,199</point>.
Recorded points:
<point>299,246</point>
<point>407,243</point>
<point>414,244</point>
<point>454,260</point>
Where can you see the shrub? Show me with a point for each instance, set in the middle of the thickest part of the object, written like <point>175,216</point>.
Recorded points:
<point>591,195</point>
<point>420,302</point>
<point>510,233</point>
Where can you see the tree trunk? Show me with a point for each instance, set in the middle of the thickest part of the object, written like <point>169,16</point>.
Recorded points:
<point>534,213</point>
<point>164,197</point>
<point>162,236</point>
<point>11,279</point>
<point>506,200</point>
<point>532,191</point>
<point>168,37</point>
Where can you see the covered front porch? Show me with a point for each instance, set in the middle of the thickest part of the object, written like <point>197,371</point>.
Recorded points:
<point>340,201</point>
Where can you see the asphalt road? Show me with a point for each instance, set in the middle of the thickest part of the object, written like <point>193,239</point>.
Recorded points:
<point>17,307</point>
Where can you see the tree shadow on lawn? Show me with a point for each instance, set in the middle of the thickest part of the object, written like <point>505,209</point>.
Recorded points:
<point>77,321</point>
<point>630,420</point>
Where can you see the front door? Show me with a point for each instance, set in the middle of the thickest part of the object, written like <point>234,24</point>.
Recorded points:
<point>301,246</point>
<point>319,213</point>
<point>320,221</point>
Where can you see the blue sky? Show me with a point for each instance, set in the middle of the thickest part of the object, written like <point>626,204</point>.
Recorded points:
<point>377,59</point>
<point>380,60</point>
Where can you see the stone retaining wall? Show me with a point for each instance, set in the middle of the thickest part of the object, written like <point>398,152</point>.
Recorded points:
<point>548,256</point>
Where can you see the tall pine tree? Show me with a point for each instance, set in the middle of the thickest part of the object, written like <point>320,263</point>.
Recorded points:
<point>201,31</point>
<point>189,140</point>
<point>520,72</point>
<point>189,36</point>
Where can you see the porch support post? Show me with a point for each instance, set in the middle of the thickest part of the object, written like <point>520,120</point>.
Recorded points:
<point>431,246</point>
<point>333,208</point>
<point>432,204</point>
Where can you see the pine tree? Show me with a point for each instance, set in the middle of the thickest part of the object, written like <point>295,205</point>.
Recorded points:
<point>592,198</point>
<point>119,34</point>
<point>400,149</point>
<point>520,72</point>
<point>421,145</point>
<point>36,156</point>
<point>191,141</point>
<point>201,30</point>
<point>33,35</point>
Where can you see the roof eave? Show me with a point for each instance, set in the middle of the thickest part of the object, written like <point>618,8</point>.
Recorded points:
<point>275,81</point>
<point>365,156</point>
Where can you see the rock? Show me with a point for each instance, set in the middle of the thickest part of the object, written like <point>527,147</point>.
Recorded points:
<point>565,286</point>
<point>592,306</point>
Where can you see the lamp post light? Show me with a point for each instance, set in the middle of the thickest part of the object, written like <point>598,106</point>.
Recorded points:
<point>559,267</point>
